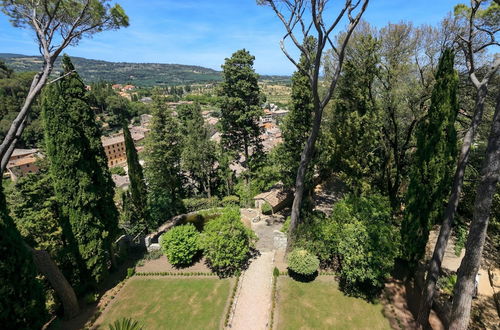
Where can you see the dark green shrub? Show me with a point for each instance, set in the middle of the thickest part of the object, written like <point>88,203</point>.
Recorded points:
<point>181,244</point>
<point>266,208</point>
<point>368,243</point>
<point>319,234</point>
<point>196,204</point>
<point>118,170</point>
<point>227,242</point>
<point>230,201</point>
<point>130,272</point>
<point>302,262</point>
<point>91,298</point>
<point>276,272</point>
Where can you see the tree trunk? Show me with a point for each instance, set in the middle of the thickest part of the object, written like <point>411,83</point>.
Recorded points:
<point>464,288</point>
<point>17,126</point>
<point>305,159</point>
<point>449,215</point>
<point>64,291</point>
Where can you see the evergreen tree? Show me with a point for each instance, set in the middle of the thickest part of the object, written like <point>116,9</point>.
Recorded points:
<point>82,182</point>
<point>22,303</point>
<point>162,170</point>
<point>240,105</point>
<point>198,151</point>
<point>354,120</point>
<point>297,123</point>
<point>432,163</point>
<point>138,191</point>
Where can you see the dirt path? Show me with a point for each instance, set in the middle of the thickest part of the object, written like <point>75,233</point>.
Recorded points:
<point>253,301</point>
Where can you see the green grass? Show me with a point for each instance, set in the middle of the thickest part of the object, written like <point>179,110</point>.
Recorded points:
<point>320,305</point>
<point>171,303</point>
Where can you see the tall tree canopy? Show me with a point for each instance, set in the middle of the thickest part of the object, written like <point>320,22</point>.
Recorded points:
<point>138,190</point>
<point>240,104</point>
<point>297,123</point>
<point>433,162</point>
<point>162,171</point>
<point>82,182</point>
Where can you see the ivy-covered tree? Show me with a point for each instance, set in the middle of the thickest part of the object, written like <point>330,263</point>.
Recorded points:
<point>433,163</point>
<point>138,190</point>
<point>22,302</point>
<point>240,105</point>
<point>82,182</point>
<point>162,159</point>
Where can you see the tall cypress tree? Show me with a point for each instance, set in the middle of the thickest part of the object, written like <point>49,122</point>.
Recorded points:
<point>240,105</point>
<point>432,163</point>
<point>82,182</point>
<point>138,191</point>
<point>22,303</point>
<point>297,123</point>
<point>162,171</point>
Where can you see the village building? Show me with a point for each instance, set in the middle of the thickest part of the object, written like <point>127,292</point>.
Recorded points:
<point>277,197</point>
<point>22,162</point>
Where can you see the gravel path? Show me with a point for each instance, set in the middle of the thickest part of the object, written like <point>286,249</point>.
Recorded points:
<point>253,304</point>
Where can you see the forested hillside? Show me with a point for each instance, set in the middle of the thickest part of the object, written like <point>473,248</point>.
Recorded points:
<point>140,74</point>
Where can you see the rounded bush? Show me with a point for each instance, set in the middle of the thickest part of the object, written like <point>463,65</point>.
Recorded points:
<point>230,200</point>
<point>302,262</point>
<point>227,243</point>
<point>181,244</point>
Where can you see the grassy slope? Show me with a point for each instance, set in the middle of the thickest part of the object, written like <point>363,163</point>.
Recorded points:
<point>171,303</point>
<point>320,305</point>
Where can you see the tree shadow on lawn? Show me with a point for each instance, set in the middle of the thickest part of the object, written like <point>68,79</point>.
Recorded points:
<point>301,277</point>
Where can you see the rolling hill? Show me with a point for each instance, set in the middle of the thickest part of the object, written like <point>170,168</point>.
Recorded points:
<point>139,74</point>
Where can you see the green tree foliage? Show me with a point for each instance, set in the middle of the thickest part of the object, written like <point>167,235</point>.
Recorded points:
<point>162,170</point>
<point>34,209</point>
<point>138,191</point>
<point>13,90</point>
<point>433,162</point>
<point>181,244</point>
<point>352,137</point>
<point>303,262</point>
<point>227,243</point>
<point>297,124</point>
<point>22,303</point>
<point>198,156</point>
<point>82,182</point>
<point>368,243</point>
<point>240,105</point>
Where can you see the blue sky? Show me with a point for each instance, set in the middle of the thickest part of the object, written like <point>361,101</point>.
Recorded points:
<point>205,32</point>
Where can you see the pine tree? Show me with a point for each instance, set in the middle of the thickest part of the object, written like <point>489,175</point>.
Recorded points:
<point>432,163</point>
<point>82,182</point>
<point>240,105</point>
<point>162,170</point>
<point>138,191</point>
<point>22,303</point>
<point>297,123</point>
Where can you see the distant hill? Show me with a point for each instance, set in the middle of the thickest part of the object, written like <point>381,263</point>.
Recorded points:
<point>140,74</point>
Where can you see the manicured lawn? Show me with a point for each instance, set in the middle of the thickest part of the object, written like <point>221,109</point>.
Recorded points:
<point>320,305</point>
<point>171,303</point>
